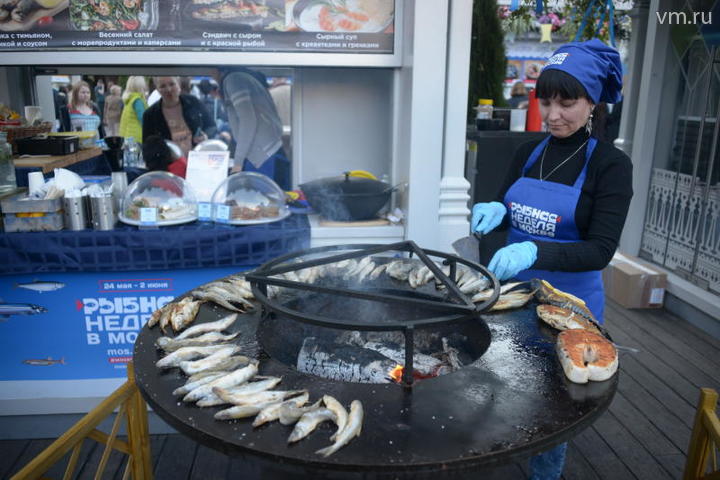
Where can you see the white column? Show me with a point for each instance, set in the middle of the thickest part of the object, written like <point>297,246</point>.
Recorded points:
<point>657,50</point>
<point>421,85</point>
<point>453,209</point>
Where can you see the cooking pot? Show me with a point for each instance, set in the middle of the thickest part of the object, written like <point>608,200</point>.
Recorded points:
<point>346,198</point>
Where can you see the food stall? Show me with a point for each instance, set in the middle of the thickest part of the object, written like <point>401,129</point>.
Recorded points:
<point>367,95</point>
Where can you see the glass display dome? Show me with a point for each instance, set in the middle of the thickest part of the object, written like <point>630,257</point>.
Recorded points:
<point>173,200</point>
<point>246,198</point>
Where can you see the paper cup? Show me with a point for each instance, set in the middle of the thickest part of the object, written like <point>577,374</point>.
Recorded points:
<point>35,182</point>
<point>33,113</point>
<point>517,119</point>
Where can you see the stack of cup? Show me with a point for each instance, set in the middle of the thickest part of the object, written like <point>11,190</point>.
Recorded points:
<point>103,212</point>
<point>36,181</point>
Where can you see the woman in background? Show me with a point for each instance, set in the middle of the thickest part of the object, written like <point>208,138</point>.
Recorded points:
<point>131,120</point>
<point>113,110</point>
<point>178,117</point>
<point>518,96</point>
<point>83,114</point>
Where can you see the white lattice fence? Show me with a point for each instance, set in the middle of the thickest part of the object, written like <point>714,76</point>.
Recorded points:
<point>675,223</point>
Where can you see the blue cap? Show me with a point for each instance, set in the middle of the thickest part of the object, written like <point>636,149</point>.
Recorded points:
<point>595,65</point>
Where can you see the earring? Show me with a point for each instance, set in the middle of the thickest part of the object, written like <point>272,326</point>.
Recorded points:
<point>588,125</point>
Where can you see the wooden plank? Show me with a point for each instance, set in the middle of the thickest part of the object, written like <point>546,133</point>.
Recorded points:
<point>91,464</point>
<point>177,458</point>
<point>636,421</point>
<point>600,456</point>
<point>644,325</point>
<point>209,463</point>
<point>674,427</point>
<point>157,442</point>
<point>11,450</point>
<point>32,451</point>
<point>50,162</point>
<point>576,465</point>
<point>680,330</point>
<point>631,452</point>
<point>676,373</point>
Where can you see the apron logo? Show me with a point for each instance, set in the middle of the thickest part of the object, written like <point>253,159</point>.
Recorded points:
<point>557,59</point>
<point>533,221</point>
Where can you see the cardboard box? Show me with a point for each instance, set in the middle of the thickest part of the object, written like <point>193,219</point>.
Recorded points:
<point>633,283</point>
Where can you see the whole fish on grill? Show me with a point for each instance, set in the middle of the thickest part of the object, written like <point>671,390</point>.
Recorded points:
<point>251,388</point>
<point>211,361</point>
<point>267,396</point>
<point>216,326</point>
<point>512,300</point>
<point>188,353</point>
<point>377,271</point>
<point>564,319</point>
<point>352,429</point>
<point>290,413</point>
<point>272,412</point>
<point>240,411</point>
<point>236,377</point>
<point>487,293</point>
<point>227,364</point>
<point>170,344</point>
<point>221,296</point>
<point>400,269</point>
<point>546,293</point>
<point>191,384</point>
<point>309,421</point>
<point>341,415</point>
<point>184,314</point>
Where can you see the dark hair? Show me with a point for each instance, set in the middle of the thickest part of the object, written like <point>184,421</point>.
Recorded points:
<point>553,82</point>
<point>156,153</point>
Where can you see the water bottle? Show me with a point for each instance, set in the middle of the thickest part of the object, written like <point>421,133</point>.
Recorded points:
<point>130,153</point>
<point>484,109</point>
<point>7,167</point>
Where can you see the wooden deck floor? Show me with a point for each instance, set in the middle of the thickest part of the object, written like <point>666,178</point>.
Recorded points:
<point>644,435</point>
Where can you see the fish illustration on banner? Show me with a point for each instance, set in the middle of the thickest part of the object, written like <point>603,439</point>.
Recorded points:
<point>41,286</point>
<point>7,309</point>
<point>44,362</point>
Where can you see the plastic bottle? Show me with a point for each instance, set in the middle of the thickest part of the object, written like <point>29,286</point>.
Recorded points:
<point>484,109</point>
<point>130,153</point>
<point>7,167</point>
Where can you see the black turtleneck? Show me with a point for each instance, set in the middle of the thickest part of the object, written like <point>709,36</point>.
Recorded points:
<point>602,207</point>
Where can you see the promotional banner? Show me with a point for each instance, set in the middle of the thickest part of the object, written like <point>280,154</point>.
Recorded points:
<point>337,26</point>
<point>68,326</point>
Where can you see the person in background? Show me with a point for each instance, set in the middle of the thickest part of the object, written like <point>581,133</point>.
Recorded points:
<point>518,96</point>
<point>566,198</point>
<point>113,110</point>
<point>99,92</point>
<point>256,126</point>
<point>82,113</point>
<point>134,107</point>
<point>210,96</point>
<point>178,117</point>
<point>158,156</point>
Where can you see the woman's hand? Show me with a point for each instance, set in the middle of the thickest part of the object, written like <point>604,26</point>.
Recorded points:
<point>513,259</point>
<point>487,216</point>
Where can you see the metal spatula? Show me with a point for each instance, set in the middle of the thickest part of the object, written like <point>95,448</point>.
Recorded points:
<point>468,247</point>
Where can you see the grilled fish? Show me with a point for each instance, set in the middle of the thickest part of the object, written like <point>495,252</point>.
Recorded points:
<point>564,319</point>
<point>211,361</point>
<point>352,429</point>
<point>272,412</point>
<point>308,422</point>
<point>290,413</point>
<point>188,353</point>
<point>237,377</point>
<point>244,389</point>
<point>216,326</point>
<point>512,300</point>
<point>341,415</point>
<point>210,338</point>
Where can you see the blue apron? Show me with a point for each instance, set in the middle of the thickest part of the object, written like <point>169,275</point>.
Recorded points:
<point>545,211</point>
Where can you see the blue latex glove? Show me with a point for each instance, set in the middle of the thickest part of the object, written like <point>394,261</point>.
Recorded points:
<point>511,260</point>
<point>486,216</point>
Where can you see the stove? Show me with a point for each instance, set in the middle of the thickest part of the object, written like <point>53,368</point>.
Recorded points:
<point>503,398</point>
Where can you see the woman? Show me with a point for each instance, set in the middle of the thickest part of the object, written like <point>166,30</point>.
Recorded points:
<point>83,114</point>
<point>177,117</point>
<point>113,111</point>
<point>518,96</point>
<point>566,198</point>
<point>134,106</point>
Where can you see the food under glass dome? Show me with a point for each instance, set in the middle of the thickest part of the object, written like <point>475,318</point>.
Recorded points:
<point>246,198</point>
<point>174,200</point>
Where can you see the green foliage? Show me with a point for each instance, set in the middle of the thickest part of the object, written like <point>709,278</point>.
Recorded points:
<point>487,57</point>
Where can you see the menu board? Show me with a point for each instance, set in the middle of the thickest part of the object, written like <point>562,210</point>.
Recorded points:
<point>335,26</point>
